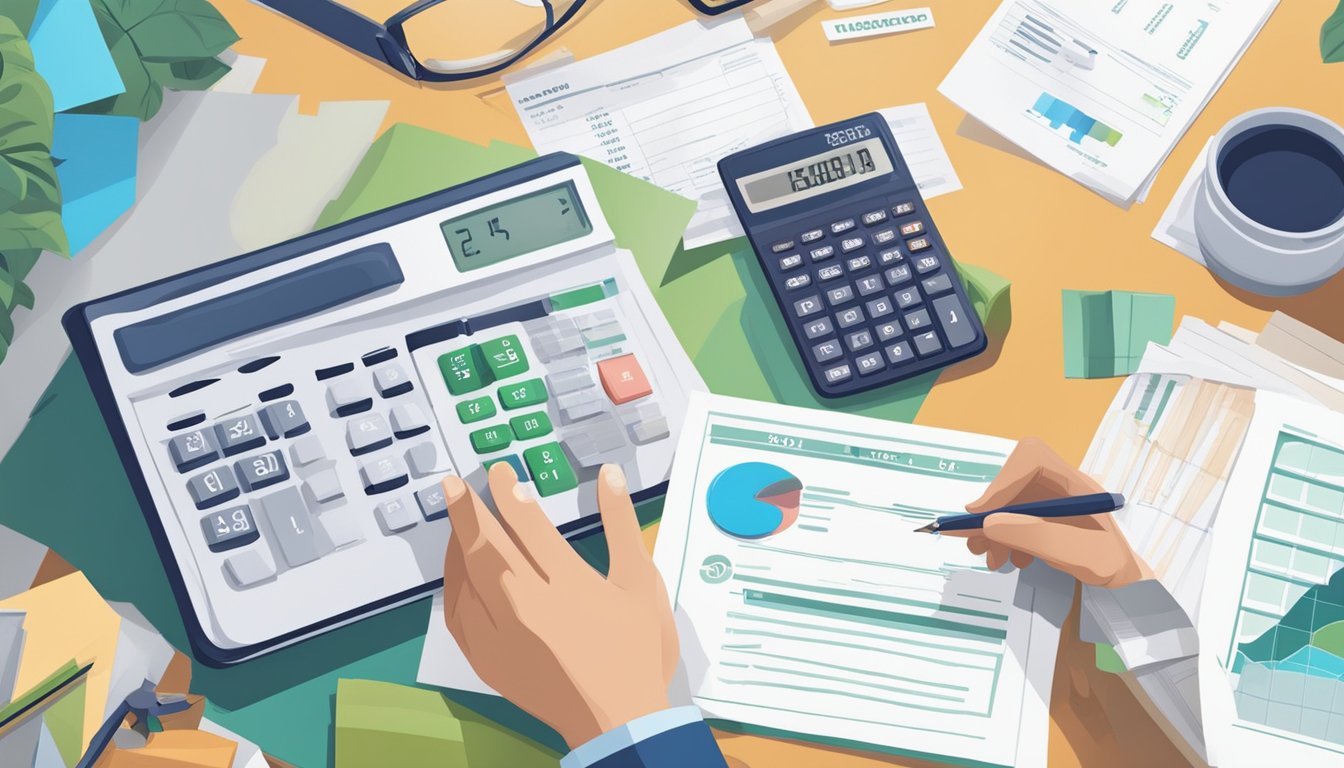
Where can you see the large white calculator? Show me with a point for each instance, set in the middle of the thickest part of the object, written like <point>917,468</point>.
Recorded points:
<point>286,416</point>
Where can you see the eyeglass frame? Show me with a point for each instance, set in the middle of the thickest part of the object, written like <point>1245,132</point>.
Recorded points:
<point>386,42</point>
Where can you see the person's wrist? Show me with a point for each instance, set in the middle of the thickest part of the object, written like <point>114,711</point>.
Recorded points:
<point>587,723</point>
<point>1136,569</point>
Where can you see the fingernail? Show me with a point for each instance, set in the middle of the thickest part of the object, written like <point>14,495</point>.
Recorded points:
<point>453,488</point>
<point>614,477</point>
<point>521,493</point>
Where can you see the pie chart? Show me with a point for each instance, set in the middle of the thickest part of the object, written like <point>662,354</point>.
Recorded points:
<point>753,500</point>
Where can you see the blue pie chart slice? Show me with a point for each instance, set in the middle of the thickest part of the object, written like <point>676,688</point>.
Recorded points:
<point>754,500</point>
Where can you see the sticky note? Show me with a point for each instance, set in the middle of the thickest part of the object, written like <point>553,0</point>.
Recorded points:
<point>1106,332</point>
<point>95,161</point>
<point>852,27</point>
<point>71,55</point>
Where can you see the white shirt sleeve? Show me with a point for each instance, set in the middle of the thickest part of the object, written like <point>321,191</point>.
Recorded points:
<point>1142,621</point>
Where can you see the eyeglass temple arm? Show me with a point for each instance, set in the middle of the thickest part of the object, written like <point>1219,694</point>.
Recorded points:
<point>348,28</point>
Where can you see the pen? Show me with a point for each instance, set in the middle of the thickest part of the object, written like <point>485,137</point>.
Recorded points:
<point>1069,506</point>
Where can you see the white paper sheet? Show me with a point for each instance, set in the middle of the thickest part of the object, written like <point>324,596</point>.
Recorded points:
<point>1271,655</point>
<point>666,109</point>
<point>1176,228</point>
<point>922,149</point>
<point>1102,91</point>
<point>842,622</point>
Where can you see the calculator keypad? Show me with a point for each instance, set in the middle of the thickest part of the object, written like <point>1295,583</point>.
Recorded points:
<point>887,309</point>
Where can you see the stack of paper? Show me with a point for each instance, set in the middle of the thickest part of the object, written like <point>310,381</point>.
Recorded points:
<point>1102,91</point>
<point>1106,332</point>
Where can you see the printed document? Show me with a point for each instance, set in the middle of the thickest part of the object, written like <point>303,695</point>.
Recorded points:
<point>667,109</point>
<point>922,149</point>
<point>807,606</point>
<point>1102,91</point>
<point>1271,626</point>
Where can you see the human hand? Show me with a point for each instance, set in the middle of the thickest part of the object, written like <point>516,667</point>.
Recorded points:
<point>580,652</point>
<point>1092,549</point>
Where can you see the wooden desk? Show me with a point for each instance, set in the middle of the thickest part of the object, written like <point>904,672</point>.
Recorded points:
<point>1016,217</point>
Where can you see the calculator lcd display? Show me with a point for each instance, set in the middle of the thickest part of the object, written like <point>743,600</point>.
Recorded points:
<point>811,176</point>
<point>514,227</point>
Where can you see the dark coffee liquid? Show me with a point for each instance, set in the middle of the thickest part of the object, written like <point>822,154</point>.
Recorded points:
<point>1284,177</point>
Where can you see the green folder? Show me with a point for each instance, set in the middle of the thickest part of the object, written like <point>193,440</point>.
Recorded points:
<point>1106,332</point>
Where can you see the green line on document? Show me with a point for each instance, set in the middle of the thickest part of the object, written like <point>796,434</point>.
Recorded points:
<point>847,632</point>
<point>816,528</point>
<point>838,592</point>
<point>834,491</point>
<point>879,700</point>
<point>874,673</point>
<point>927,624</point>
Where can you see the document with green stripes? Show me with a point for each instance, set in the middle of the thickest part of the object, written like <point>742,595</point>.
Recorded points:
<point>808,607</point>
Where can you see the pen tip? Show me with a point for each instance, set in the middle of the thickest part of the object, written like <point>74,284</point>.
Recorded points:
<point>930,528</point>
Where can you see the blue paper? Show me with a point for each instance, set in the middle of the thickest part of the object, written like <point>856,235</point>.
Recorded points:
<point>95,161</point>
<point>71,55</point>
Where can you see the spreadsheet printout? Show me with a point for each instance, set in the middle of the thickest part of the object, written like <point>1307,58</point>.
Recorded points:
<point>807,605</point>
<point>666,109</point>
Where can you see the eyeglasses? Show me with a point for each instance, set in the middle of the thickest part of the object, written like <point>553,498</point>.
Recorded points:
<point>713,7</point>
<point>439,40</point>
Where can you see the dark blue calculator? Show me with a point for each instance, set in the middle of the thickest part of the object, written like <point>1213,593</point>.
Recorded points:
<point>857,266</point>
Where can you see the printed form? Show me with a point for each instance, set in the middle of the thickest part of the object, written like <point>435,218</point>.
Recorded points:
<point>807,605</point>
<point>667,109</point>
<point>1102,91</point>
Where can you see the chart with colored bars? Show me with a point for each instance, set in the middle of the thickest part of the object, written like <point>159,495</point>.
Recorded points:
<point>1288,662</point>
<point>1061,114</point>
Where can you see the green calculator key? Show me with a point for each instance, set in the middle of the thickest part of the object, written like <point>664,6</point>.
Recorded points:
<point>523,394</point>
<point>550,469</point>
<point>475,409</point>
<point>491,438</point>
<point>465,370</point>
<point>531,425</point>
<point>505,356</point>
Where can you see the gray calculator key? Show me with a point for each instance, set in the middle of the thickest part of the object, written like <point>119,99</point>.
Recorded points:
<point>859,263</point>
<point>843,225</point>
<point>859,340</point>
<point>791,261</point>
<point>391,380</point>
<point>851,244</point>
<point>284,419</point>
<point>238,434</point>
<point>294,528</point>
<point>781,246</point>
<point>890,256</point>
<point>880,307</point>
<point>193,449</point>
<point>830,273</point>
<point>874,217</point>
<point>952,316</point>
<point>229,529</point>
<point>837,374</point>
<point>898,274</point>
<point>809,306</point>
<point>349,396</point>
<point>396,515</point>
<point>307,450</point>
<point>926,264</point>
<point>940,283</point>
<point>869,364</point>
<point>928,344</point>
<point>849,318</point>
<point>257,472</point>
<point>367,433</point>
<point>251,566</point>
<point>912,228</point>
<point>798,281</point>
<point>811,235</point>
<point>214,487</point>
<point>827,350</point>
<point>838,296</point>
<point>433,504</point>
<point>822,253</point>
<point>908,297</point>
<point>917,320</point>
<point>884,236</point>
<point>324,487</point>
<point>818,328</point>
<point>903,209</point>
<point>900,353</point>
<point>869,285</point>
<point>383,473</point>
<point>408,420</point>
<point>421,458</point>
<point>918,244</point>
<point>888,331</point>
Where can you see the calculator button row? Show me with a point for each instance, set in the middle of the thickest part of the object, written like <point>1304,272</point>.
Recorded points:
<point>781,246</point>
<point>843,225</point>
<point>874,217</point>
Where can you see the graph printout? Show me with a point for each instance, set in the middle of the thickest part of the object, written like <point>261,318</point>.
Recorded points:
<point>1102,91</point>
<point>1272,623</point>
<point>807,605</point>
<point>667,109</point>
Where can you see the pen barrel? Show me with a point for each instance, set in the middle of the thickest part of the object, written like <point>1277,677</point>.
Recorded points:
<point>1069,506</point>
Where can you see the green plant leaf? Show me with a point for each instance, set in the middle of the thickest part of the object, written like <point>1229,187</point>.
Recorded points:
<point>181,30</point>
<point>32,219</point>
<point>1332,36</point>
<point>143,95</point>
<point>13,186</point>
<point>6,328</point>
<point>19,263</point>
<point>23,295</point>
<point>23,12</point>
<point>195,75</point>
<point>7,286</point>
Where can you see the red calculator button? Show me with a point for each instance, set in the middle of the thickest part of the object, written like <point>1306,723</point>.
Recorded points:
<point>623,379</point>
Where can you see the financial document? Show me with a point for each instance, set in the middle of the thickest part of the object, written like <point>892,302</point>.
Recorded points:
<point>922,149</point>
<point>667,109</point>
<point>1102,91</point>
<point>1272,624</point>
<point>806,604</point>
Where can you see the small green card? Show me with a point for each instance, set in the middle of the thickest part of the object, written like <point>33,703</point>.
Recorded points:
<point>1106,332</point>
